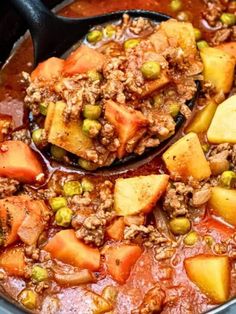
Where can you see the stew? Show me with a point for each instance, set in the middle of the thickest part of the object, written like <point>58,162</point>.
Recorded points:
<point>158,238</point>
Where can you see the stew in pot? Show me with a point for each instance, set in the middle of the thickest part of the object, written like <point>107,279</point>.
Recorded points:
<point>158,238</point>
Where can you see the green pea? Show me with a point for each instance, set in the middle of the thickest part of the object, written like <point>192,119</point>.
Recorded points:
<point>151,70</point>
<point>72,188</point>
<point>87,185</point>
<point>202,44</point>
<point>183,16</point>
<point>94,75</point>
<point>191,238</point>
<point>227,178</point>
<point>57,202</point>
<point>94,36</point>
<point>87,165</point>
<point>157,101</point>
<point>131,43</point>
<point>57,152</point>
<point>39,273</point>
<point>228,19</point>
<point>28,298</point>
<point>92,112</point>
<point>43,108</point>
<point>197,34</point>
<point>38,136</point>
<point>174,109</point>
<point>63,217</point>
<point>180,225</point>
<point>176,5</point>
<point>91,128</point>
<point>110,31</point>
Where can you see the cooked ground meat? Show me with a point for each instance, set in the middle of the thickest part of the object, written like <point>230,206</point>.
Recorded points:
<point>214,9</point>
<point>152,301</point>
<point>8,187</point>
<point>221,36</point>
<point>148,235</point>
<point>180,197</point>
<point>222,157</point>
<point>22,135</point>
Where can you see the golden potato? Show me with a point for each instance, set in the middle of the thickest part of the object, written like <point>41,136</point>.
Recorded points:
<point>185,158</point>
<point>229,48</point>
<point>202,119</point>
<point>218,68</point>
<point>66,135</point>
<point>223,126</point>
<point>223,203</point>
<point>211,274</point>
<point>138,194</point>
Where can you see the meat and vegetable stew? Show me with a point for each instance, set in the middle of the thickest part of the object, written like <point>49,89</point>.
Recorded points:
<point>158,238</point>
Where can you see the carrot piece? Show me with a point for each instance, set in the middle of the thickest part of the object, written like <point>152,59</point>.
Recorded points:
<point>230,48</point>
<point>120,259</point>
<point>116,230</point>
<point>12,213</point>
<point>18,161</point>
<point>34,222</point>
<point>48,70</point>
<point>65,247</point>
<point>83,60</point>
<point>13,262</point>
<point>127,123</point>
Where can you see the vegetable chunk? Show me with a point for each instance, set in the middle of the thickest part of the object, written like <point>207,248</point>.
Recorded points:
<point>83,60</point>
<point>127,123</point>
<point>213,59</point>
<point>18,161</point>
<point>223,126</point>
<point>120,259</point>
<point>48,70</point>
<point>116,230</point>
<point>185,158</point>
<point>12,214</point>
<point>65,247</point>
<point>13,262</point>
<point>230,48</point>
<point>223,203</point>
<point>211,274</point>
<point>139,194</point>
<point>203,118</point>
<point>68,136</point>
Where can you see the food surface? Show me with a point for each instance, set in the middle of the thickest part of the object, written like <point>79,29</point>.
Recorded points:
<point>158,238</point>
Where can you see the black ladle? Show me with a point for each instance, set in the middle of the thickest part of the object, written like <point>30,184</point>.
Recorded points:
<point>53,35</point>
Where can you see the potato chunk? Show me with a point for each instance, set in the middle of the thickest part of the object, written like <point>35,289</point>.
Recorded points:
<point>127,123</point>
<point>66,135</point>
<point>139,194</point>
<point>211,274</point>
<point>223,203</point>
<point>185,158</point>
<point>202,119</point>
<point>218,68</point>
<point>223,126</point>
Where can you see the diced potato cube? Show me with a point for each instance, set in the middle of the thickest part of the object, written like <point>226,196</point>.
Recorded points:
<point>185,158</point>
<point>202,119</point>
<point>223,203</point>
<point>223,125</point>
<point>155,85</point>
<point>139,194</point>
<point>66,135</point>
<point>211,274</point>
<point>127,123</point>
<point>218,68</point>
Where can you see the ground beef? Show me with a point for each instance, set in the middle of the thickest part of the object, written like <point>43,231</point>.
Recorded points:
<point>8,187</point>
<point>152,301</point>
<point>141,25</point>
<point>22,135</point>
<point>39,194</point>
<point>213,11</point>
<point>148,235</point>
<point>180,197</point>
<point>223,156</point>
<point>221,36</point>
